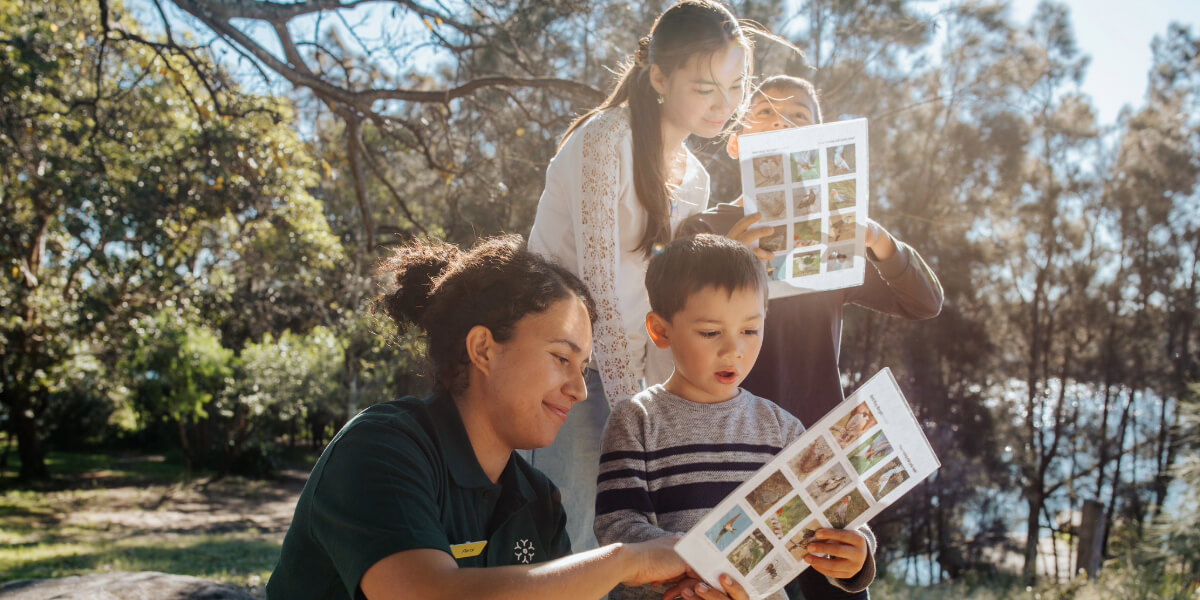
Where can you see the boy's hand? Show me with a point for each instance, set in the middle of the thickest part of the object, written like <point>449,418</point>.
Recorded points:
<point>847,551</point>
<point>879,240</point>
<point>742,232</point>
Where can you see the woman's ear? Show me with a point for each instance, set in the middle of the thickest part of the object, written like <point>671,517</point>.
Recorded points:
<point>656,326</point>
<point>658,80</point>
<point>731,146</point>
<point>481,348</point>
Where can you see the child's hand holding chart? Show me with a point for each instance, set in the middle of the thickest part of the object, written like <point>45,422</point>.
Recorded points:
<point>861,457</point>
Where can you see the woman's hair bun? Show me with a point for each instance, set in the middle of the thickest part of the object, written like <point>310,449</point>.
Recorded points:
<point>415,268</point>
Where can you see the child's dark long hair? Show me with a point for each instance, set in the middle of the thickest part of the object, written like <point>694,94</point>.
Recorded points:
<point>687,29</point>
<point>445,292</point>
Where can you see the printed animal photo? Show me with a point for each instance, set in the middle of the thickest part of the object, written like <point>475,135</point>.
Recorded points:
<point>841,160</point>
<point>886,479</point>
<point>750,552</point>
<point>806,200</point>
<point>847,509</point>
<point>811,458</point>
<point>841,228</point>
<point>841,194</point>
<point>806,165</point>
<point>777,267</point>
<point>790,514</point>
<point>807,263</point>
<point>807,233</point>
<point>774,573</point>
<point>776,242</point>
<point>768,170</point>
<point>768,492</point>
<point>728,528</point>
<point>798,545</point>
<point>838,258</point>
<point>828,484</point>
<point>772,205</point>
<point>870,453</point>
<point>853,425</point>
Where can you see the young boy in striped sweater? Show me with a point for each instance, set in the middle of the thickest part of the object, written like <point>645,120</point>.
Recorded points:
<point>674,451</point>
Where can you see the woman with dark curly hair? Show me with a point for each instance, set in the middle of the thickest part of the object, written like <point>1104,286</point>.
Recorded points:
<point>426,498</point>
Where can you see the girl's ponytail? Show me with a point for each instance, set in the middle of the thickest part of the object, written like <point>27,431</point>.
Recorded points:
<point>688,28</point>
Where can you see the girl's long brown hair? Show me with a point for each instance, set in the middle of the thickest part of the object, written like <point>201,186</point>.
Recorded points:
<point>689,28</point>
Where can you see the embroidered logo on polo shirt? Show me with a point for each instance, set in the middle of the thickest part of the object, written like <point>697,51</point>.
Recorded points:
<point>523,551</point>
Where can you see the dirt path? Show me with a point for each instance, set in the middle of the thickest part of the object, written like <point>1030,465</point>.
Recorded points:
<point>164,511</point>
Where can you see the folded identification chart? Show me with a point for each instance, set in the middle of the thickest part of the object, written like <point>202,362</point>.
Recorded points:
<point>858,459</point>
<point>810,184</point>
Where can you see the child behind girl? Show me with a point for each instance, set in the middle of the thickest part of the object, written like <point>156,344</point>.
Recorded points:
<point>803,334</point>
<point>620,184</point>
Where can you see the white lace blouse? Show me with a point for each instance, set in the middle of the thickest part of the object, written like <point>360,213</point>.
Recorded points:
<point>589,221</point>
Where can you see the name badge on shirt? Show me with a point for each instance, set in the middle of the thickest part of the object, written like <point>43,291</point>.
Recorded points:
<point>468,549</point>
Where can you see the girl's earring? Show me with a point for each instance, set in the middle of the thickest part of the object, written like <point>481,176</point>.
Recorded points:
<point>660,99</point>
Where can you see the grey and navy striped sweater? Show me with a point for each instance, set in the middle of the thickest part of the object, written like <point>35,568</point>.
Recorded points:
<point>665,462</point>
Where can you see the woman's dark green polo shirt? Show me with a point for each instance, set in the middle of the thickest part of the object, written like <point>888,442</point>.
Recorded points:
<point>402,475</point>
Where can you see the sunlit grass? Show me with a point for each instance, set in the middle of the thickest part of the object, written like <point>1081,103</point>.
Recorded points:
<point>82,468</point>
<point>243,559</point>
<point>42,537</point>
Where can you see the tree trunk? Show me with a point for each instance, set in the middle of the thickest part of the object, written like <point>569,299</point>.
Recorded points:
<point>1029,572</point>
<point>8,444</point>
<point>1164,455</point>
<point>183,443</point>
<point>1116,478</point>
<point>1091,539</point>
<point>29,445</point>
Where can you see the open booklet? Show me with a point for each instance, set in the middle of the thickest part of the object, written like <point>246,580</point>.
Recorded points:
<point>857,460</point>
<point>810,183</point>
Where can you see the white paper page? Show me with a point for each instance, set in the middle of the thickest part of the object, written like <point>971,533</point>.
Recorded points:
<point>810,183</point>
<point>858,459</point>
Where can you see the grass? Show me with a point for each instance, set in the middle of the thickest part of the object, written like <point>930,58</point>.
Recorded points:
<point>79,469</point>
<point>241,559</point>
<point>102,513</point>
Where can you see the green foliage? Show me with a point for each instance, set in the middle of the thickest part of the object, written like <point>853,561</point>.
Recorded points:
<point>176,368</point>
<point>284,376</point>
<point>136,178</point>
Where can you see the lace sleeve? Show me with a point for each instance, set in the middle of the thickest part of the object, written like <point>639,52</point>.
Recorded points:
<point>598,254</point>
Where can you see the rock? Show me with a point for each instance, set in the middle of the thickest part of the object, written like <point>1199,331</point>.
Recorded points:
<point>146,585</point>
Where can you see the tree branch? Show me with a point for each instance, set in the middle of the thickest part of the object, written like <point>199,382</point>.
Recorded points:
<point>583,91</point>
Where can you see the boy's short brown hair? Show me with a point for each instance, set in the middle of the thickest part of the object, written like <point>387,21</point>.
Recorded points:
<point>690,264</point>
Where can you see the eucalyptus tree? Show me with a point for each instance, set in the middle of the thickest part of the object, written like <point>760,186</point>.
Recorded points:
<point>1152,199</point>
<point>1039,247</point>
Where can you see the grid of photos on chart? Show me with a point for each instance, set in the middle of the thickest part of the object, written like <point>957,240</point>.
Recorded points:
<point>810,198</point>
<point>828,482</point>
